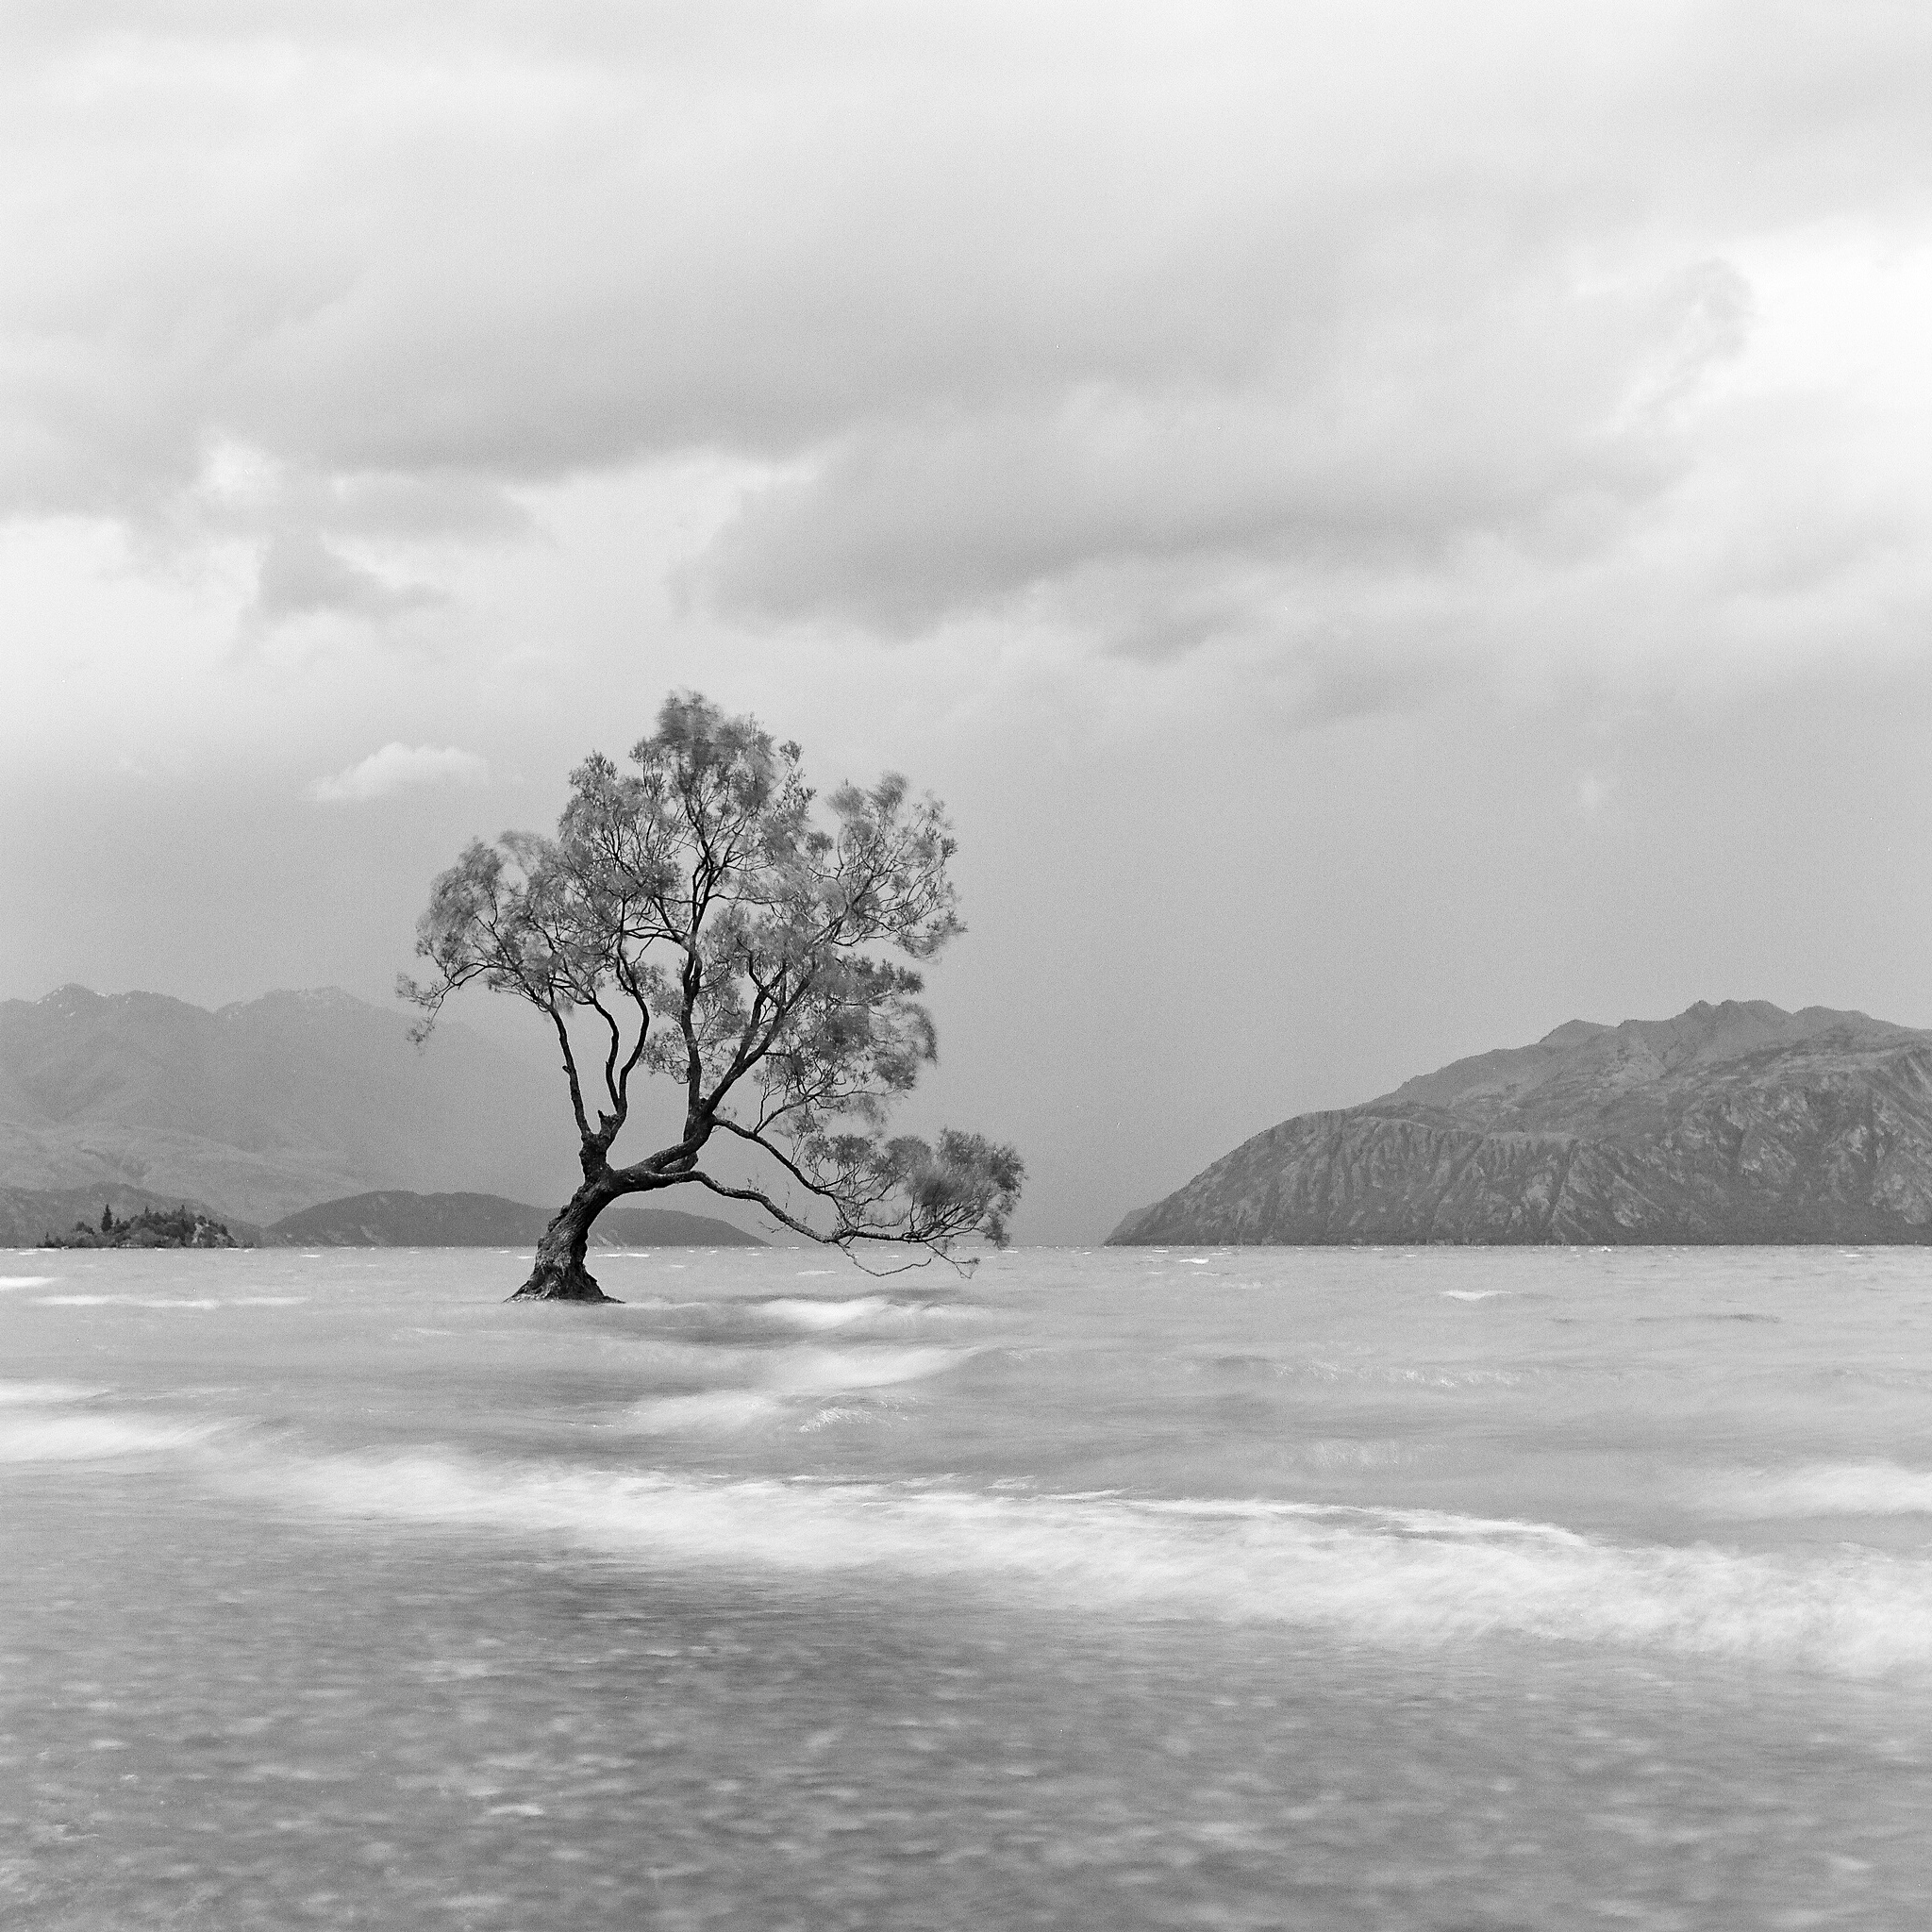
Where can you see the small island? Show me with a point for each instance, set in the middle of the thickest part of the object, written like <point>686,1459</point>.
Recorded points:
<point>153,1228</point>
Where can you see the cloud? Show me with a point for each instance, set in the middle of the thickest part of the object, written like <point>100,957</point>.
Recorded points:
<point>1161,327</point>
<point>395,768</point>
<point>301,576</point>
<point>1533,415</point>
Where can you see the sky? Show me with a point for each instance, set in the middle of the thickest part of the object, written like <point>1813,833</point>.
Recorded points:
<point>1390,526</point>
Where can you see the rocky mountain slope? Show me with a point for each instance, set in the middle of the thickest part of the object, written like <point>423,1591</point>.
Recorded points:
<point>266,1107</point>
<point>1731,1123</point>
<point>393,1218</point>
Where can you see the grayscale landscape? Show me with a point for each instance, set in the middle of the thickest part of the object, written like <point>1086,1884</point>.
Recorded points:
<point>965,967</point>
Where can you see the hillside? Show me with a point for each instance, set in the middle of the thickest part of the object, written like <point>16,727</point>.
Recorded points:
<point>1731,1123</point>
<point>393,1218</point>
<point>28,1214</point>
<point>267,1106</point>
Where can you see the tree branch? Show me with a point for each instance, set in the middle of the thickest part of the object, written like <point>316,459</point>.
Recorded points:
<point>843,1237</point>
<point>615,1119</point>
<point>569,1067</point>
<point>627,977</point>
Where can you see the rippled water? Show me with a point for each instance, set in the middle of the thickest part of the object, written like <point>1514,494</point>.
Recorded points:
<point>1148,1588</point>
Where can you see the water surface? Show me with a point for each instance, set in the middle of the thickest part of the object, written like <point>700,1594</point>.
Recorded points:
<point>1375,1589</point>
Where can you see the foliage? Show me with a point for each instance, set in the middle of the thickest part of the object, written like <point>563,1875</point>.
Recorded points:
<point>723,928</point>
<point>153,1228</point>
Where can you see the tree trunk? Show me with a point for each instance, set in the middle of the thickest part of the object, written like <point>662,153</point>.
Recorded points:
<point>559,1274</point>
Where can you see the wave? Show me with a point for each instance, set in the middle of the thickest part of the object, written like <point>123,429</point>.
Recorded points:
<point>91,1437</point>
<point>710,1412</point>
<point>810,1315</point>
<point>838,1413</point>
<point>832,1371</point>
<point>1408,1578</point>
<point>785,1379</point>
<point>35,1428</point>
<point>1827,1489</point>
<point>813,1316</point>
<point>8,1281</point>
<point>41,1395</point>
<point>1408,1374</point>
<point>1344,1451</point>
<point>795,1311</point>
<point>167,1301</point>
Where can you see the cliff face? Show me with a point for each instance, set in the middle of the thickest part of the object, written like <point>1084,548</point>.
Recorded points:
<point>1735,1123</point>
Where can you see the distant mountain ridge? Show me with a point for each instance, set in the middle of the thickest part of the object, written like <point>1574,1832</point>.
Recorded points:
<point>393,1218</point>
<point>29,1214</point>
<point>266,1106</point>
<point>1731,1123</point>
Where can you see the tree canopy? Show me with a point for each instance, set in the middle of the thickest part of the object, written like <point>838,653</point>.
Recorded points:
<point>720,926</point>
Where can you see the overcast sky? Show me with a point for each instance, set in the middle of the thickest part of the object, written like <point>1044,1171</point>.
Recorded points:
<point>1391,525</point>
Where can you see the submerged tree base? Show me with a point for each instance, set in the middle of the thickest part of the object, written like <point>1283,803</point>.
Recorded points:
<point>571,1283</point>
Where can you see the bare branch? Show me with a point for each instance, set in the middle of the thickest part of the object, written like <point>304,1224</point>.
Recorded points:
<point>570,1068</point>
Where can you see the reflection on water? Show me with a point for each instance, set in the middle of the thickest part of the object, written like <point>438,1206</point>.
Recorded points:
<point>1149,1587</point>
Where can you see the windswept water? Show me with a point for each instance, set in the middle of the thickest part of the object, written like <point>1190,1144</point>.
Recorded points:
<point>1375,1589</point>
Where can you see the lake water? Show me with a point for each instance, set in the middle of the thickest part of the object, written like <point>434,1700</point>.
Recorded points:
<point>1379,1588</point>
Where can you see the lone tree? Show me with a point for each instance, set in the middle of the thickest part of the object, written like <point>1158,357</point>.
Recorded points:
<point>711,928</point>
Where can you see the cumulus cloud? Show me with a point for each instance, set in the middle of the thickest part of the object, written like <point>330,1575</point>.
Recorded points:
<point>1161,326</point>
<point>398,767</point>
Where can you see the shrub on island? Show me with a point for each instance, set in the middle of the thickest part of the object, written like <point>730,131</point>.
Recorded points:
<point>153,1228</point>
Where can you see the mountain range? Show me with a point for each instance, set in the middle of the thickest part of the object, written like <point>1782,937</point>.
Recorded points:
<point>28,1215</point>
<point>261,1108</point>
<point>392,1218</point>
<point>1732,1123</point>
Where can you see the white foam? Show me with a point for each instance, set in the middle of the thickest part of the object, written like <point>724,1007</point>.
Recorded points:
<point>831,1371</point>
<point>1331,1452</point>
<point>8,1281</point>
<point>781,1380</point>
<point>1406,1579</point>
<point>124,1301</point>
<point>714,1411</point>
<point>38,1395</point>
<point>1471,1295</point>
<point>1419,1376</point>
<point>91,1437</point>
<point>168,1301</point>
<point>799,1312</point>
<point>836,1414</point>
<point>811,1315</point>
<point>1827,1489</point>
